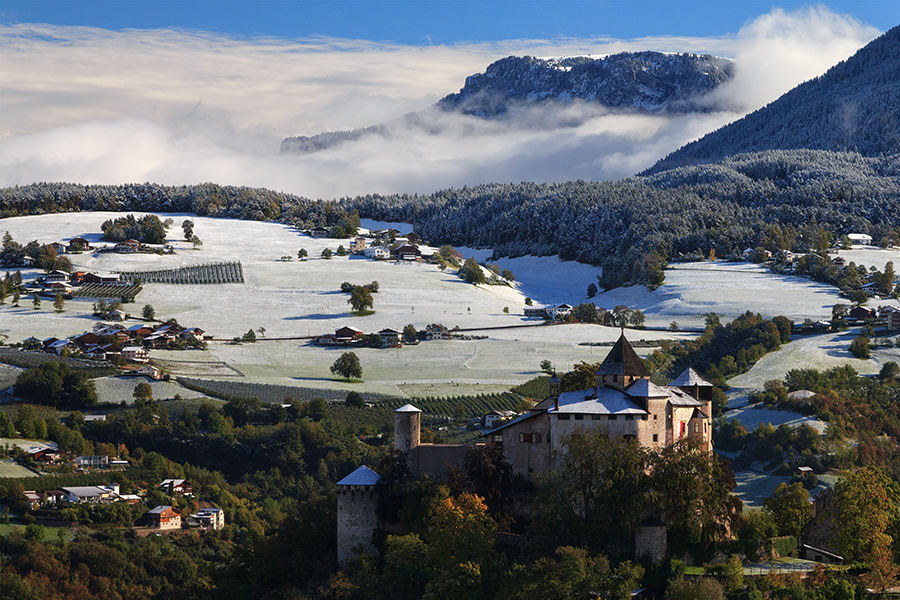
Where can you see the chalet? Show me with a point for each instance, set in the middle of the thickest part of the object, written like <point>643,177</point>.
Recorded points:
<point>317,232</point>
<point>164,517</point>
<point>860,239</point>
<point>59,247</point>
<point>128,247</point>
<point>859,313</point>
<point>437,332</point>
<point>135,354</point>
<point>60,287</point>
<point>47,342</point>
<point>149,371</point>
<point>208,518</point>
<point>406,252</point>
<point>554,312</point>
<point>45,455</point>
<point>78,243</point>
<point>390,338</point>
<point>159,339</point>
<point>176,486</point>
<point>141,330</point>
<point>31,343</point>
<point>53,276</point>
<point>413,238</point>
<point>61,347</point>
<point>348,334</point>
<point>377,253</point>
<point>358,245</point>
<point>87,338</point>
<point>839,262</point>
<point>194,333</point>
<point>623,402</point>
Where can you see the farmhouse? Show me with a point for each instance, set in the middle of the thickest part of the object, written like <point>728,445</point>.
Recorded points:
<point>377,252</point>
<point>317,232</point>
<point>164,517</point>
<point>861,239</point>
<point>90,494</point>
<point>891,316</point>
<point>78,243</point>
<point>403,251</point>
<point>344,336</point>
<point>623,402</point>
<point>102,278</point>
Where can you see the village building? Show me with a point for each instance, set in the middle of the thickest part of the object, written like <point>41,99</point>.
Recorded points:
<point>404,251</point>
<point>56,276</point>
<point>891,316</point>
<point>317,232</point>
<point>94,461</point>
<point>344,336</point>
<point>207,518</point>
<point>358,244</point>
<point>436,332</point>
<point>102,278</point>
<point>495,417</point>
<point>176,486</point>
<point>93,494</point>
<point>164,517</point>
<point>390,338</point>
<point>860,239</point>
<point>79,243</point>
<point>128,247</point>
<point>135,354</point>
<point>377,253</point>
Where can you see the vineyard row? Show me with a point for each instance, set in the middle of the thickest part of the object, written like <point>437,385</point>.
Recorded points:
<point>213,273</point>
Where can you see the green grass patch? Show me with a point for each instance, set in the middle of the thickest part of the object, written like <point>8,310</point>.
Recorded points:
<point>536,389</point>
<point>50,534</point>
<point>362,313</point>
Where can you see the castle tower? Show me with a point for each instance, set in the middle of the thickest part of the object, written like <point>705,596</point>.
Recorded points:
<point>555,388</point>
<point>357,519</point>
<point>621,367</point>
<point>407,427</point>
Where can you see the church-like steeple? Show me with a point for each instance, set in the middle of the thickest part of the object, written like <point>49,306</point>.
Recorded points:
<point>621,366</point>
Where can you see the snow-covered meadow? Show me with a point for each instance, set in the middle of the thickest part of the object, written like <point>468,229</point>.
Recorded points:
<point>292,298</point>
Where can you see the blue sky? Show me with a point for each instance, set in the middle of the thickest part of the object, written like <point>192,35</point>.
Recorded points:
<point>433,22</point>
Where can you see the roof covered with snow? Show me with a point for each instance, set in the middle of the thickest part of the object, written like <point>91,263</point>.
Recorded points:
<point>597,401</point>
<point>690,378</point>
<point>407,408</point>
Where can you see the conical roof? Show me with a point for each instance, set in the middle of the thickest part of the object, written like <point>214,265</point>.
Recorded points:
<point>690,378</point>
<point>623,360</point>
<point>407,408</point>
<point>361,476</point>
<point>643,388</point>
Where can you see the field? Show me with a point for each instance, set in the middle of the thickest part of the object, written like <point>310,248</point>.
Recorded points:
<point>8,468</point>
<point>295,299</point>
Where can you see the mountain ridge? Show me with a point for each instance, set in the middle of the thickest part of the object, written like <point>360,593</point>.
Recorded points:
<point>854,106</point>
<point>646,82</point>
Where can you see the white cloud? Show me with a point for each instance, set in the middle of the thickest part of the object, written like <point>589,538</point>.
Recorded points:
<point>176,107</point>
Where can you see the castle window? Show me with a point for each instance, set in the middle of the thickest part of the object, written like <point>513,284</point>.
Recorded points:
<point>696,427</point>
<point>643,417</point>
<point>563,417</point>
<point>535,438</point>
<point>498,437</point>
<point>579,417</point>
<point>629,417</point>
<point>596,417</point>
<point>612,417</point>
<point>615,377</point>
<point>655,437</point>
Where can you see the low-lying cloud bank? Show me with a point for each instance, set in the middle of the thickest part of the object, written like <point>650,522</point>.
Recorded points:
<point>175,107</point>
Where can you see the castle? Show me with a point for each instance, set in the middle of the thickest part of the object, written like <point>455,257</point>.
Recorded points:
<point>623,402</point>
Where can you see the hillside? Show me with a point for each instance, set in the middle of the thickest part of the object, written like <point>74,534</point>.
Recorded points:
<point>647,82</point>
<point>855,106</point>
